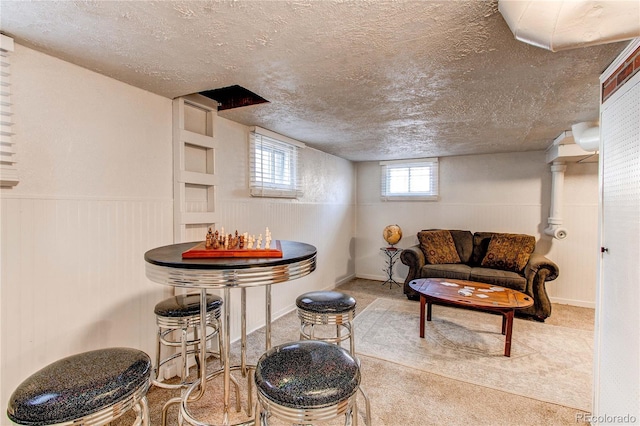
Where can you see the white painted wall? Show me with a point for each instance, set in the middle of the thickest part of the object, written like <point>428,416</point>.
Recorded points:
<point>95,192</point>
<point>94,160</point>
<point>501,192</point>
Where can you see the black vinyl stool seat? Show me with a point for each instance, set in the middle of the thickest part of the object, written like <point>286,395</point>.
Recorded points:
<point>327,308</point>
<point>326,302</point>
<point>306,382</point>
<point>186,305</point>
<point>181,314</point>
<point>91,388</point>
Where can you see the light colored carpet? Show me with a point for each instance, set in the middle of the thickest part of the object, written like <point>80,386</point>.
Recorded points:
<point>401,395</point>
<point>548,363</point>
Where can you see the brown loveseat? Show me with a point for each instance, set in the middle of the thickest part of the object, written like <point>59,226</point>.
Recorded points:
<point>502,259</point>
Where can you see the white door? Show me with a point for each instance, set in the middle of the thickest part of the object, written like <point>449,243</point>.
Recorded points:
<point>617,357</point>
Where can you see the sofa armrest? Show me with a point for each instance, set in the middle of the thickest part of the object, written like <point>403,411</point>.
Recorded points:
<point>537,263</point>
<point>414,258</point>
<point>538,271</point>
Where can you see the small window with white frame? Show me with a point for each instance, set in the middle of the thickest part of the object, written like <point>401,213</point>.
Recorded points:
<point>274,165</point>
<point>409,180</point>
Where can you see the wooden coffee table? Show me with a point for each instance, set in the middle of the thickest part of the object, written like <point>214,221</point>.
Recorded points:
<point>498,299</point>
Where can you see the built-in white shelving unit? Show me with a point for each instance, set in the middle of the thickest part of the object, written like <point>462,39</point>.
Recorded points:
<point>194,171</point>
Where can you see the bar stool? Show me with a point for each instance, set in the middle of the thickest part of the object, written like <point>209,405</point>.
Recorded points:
<point>181,314</point>
<point>91,388</point>
<point>327,308</point>
<point>330,307</point>
<point>306,382</point>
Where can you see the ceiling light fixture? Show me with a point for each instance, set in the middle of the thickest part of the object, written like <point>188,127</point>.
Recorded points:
<point>561,25</point>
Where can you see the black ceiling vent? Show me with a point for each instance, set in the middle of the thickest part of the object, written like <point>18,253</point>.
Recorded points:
<point>233,97</point>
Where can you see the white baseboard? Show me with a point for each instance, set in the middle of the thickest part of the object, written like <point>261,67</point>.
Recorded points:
<point>573,302</point>
<point>377,277</point>
<point>169,370</point>
<point>345,280</point>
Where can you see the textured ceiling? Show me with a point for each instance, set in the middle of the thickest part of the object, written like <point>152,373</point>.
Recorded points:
<point>367,80</point>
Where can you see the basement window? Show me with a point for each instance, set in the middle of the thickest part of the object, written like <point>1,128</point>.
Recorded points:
<point>274,165</point>
<point>409,180</point>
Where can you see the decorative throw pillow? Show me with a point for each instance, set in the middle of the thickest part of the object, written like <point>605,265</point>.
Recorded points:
<point>509,252</point>
<point>438,246</point>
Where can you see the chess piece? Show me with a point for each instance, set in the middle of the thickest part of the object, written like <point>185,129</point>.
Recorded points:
<point>208,243</point>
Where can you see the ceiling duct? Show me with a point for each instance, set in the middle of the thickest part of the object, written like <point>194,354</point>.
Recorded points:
<point>565,148</point>
<point>561,25</point>
<point>586,135</point>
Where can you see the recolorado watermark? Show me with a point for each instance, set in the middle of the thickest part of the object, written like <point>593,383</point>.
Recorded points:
<point>595,419</point>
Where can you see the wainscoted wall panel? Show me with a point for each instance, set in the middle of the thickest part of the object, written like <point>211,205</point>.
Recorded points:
<point>95,193</point>
<point>73,277</point>
<point>578,254</point>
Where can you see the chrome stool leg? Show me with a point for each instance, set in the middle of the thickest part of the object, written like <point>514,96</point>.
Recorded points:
<point>181,314</point>
<point>327,308</point>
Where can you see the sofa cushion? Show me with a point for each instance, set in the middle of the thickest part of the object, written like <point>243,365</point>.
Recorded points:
<point>453,271</point>
<point>438,246</point>
<point>480,244</point>
<point>464,244</point>
<point>509,252</point>
<point>507,279</point>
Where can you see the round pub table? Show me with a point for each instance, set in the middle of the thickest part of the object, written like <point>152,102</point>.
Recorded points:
<point>165,265</point>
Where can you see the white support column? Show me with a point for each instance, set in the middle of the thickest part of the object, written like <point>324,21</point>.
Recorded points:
<point>555,212</point>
